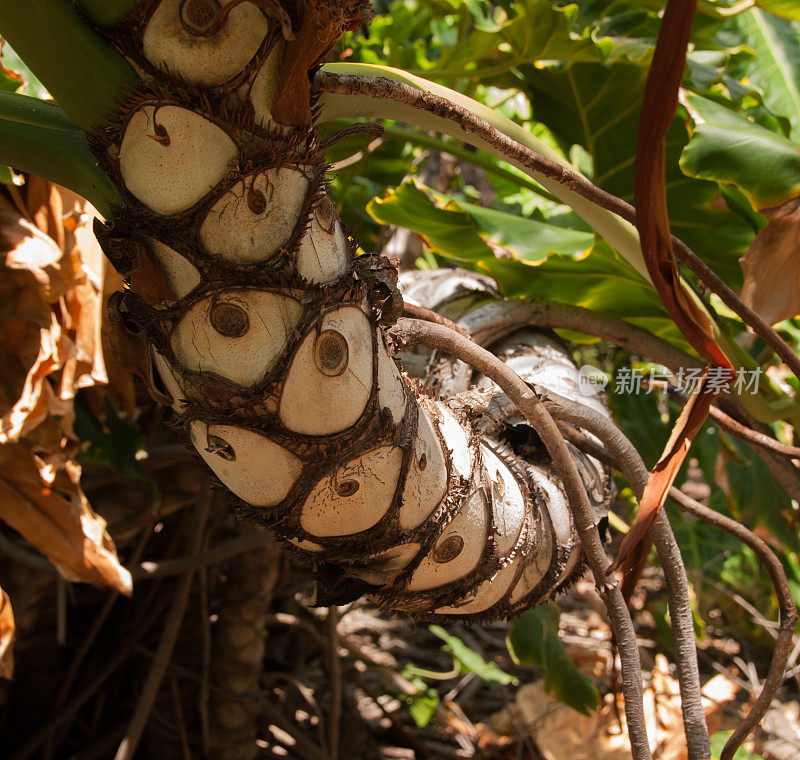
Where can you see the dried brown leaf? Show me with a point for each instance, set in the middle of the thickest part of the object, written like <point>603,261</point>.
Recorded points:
<point>560,732</point>
<point>40,497</point>
<point>7,634</point>
<point>663,475</point>
<point>318,25</point>
<point>51,345</point>
<point>771,265</point>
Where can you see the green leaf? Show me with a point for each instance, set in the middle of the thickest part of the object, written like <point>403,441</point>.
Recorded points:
<point>540,260</point>
<point>786,8</point>
<point>532,31</point>
<point>533,640</point>
<point>36,136</point>
<point>30,84</point>
<point>469,660</point>
<point>718,742</point>
<point>776,44</point>
<point>81,70</point>
<point>116,442</point>
<point>597,108</point>
<point>727,147</point>
<point>106,12</point>
<point>466,231</point>
<point>422,706</point>
<point>620,234</point>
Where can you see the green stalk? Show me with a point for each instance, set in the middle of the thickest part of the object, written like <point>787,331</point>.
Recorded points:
<point>80,70</point>
<point>36,136</point>
<point>106,12</point>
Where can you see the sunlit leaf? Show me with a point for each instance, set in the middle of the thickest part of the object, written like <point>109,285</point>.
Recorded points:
<point>47,507</point>
<point>469,660</point>
<point>728,148</point>
<point>533,640</point>
<point>776,44</point>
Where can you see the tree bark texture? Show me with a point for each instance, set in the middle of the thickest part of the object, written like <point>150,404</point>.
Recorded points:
<point>249,314</point>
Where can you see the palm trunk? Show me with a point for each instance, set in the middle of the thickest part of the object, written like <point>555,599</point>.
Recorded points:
<point>249,314</point>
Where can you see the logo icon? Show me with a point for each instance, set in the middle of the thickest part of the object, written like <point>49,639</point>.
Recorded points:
<point>591,380</point>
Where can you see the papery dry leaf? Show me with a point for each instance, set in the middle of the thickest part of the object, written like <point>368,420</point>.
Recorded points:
<point>318,25</point>
<point>32,344</point>
<point>7,634</point>
<point>42,500</point>
<point>662,476</point>
<point>771,265</point>
<point>51,318</point>
<point>560,732</point>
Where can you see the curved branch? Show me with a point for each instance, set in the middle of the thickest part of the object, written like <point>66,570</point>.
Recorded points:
<point>623,452</point>
<point>514,151</point>
<point>414,332</point>
<point>786,605</point>
<point>626,457</point>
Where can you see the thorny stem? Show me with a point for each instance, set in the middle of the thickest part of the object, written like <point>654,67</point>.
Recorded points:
<point>469,122</point>
<point>786,605</point>
<point>416,332</point>
<point>628,459</point>
<point>169,636</point>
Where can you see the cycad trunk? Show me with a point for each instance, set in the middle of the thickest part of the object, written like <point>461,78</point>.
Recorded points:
<point>249,314</point>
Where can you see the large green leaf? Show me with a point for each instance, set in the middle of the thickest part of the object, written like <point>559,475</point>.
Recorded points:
<point>786,8</point>
<point>727,147</point>
<point>597,108</point>
<point>533,640</point>
<point>528,258</point>
<point>82,71</point>
<point>620,234</point>
<point>466,231</point>
<point>774,70</point>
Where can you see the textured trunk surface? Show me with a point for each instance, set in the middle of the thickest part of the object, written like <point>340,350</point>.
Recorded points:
<point>250,316</point>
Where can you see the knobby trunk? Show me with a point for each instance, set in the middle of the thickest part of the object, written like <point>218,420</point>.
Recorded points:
<point>250,315</point>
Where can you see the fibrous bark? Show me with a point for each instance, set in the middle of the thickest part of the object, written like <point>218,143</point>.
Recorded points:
<point>249,314</point>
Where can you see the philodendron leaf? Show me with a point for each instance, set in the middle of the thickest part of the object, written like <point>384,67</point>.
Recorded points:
<point>469,660</point>
<point>527,258</point>
<point>776,44</point>
<point>726,147</point>
<point>36,136</point>
<point>533,640</point>
<point>620,234</point>
<point>470,232</point>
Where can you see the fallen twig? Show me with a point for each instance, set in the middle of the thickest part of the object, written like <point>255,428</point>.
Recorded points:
<point>169,636</point>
